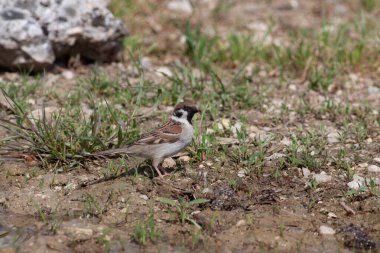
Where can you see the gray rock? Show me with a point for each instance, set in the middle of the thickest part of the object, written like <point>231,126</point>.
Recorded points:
<point>33,34</point>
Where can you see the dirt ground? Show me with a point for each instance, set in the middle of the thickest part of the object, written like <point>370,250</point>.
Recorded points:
<point>279,205</point>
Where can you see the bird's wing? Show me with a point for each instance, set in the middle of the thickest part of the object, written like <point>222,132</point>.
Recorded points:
<point>168,133</point>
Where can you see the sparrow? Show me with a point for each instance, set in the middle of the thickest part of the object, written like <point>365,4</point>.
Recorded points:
<point>164,141</point>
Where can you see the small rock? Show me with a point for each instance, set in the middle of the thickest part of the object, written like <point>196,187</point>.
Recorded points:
<point>326,230</point>
<point>240,223</point>
<point>143,196</point>
<point>79,233</point>
<point>68,75</point>
<point>226,123</point>
<point>242,173</point>
<point>332,215</point>
<point>374,169</point>
<point>182,6</point>
<point>355,237</point>
<point>236,128</point>
<point>227,141</point>
<point>168,163</point>
<point>209,163</point>
<point>164,71</point>
<point>306,172</point>
<point>356,182</point>
<point>373,89</point>
<point>206,190</point>
<point>286,141</point>
<point>146,63</point>
<point>184,159</point>
<point>322,177</point>
<point>2,200</point>
<point>363,165</point>
<point>333,137</point>
<point>275,156</point>
<point>376,159</point>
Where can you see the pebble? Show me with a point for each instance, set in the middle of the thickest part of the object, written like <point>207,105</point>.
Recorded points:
<point>275,156</point>
<point>236,128</point>
<point>206,190</point>
<point>286,141</point>
<point>356,182</point>
<point>184,159</point>
<point>79,233</point>
<point>240,223</point>
<point>182,6</point>
<point>164,71</point>
<point>226,123</point>
<point>306,172</point>
<point>146,63</point>
<point>376,159</point>
<point>143,196</point>
<point>373,89</point>
<point>332,215</point>
<point>168,163</point>
<point>322,177</point>
<point>68,74</point>
<point>333,137</point>
<point>374,168</point>
<point>326,230</point>
<point>242,173</point>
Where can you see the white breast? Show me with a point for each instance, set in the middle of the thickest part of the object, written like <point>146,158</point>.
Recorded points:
<point>187,134</point>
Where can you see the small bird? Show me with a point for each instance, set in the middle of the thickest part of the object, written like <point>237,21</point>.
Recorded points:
<point>164,141</point>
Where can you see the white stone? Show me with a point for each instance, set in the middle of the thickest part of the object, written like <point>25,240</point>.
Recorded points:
<point>182,6</point>
<point>164,71</point>
<point>286,141</point>
<point>168,163</point>
<point>322,177</point>
<point>242,173</point>
<point>67,74</point>
<point>306,172</point>
<point>146,63</point>
<point>333,137</point>
<point>275,156</point>
<point>376,159</point>
<point>326,230</point>
<point>226,123</point>
<point>184,159</point>
<point>356,183</point>
<point>236,128</point>
<point>374,169</point>
<point>240,223</point>
<point>143,196</point>
<point>332,215</point>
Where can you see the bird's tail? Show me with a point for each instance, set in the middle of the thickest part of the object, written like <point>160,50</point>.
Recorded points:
<point>112,152</point>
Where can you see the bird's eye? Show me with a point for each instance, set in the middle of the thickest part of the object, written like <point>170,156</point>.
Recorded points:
<point>178,114</point>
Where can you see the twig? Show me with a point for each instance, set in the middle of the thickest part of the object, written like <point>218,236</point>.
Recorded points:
<point>348,209</point>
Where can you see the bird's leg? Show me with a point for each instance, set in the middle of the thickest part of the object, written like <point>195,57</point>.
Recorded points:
<point>155,163</point>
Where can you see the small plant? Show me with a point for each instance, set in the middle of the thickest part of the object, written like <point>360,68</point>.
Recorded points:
<point>104,239</point>
<point>368,187</point>
<point>91,205</point>
<point>182,208</point>
<point>312,184</point>
<point>65,138</point>
<point>145,230</point>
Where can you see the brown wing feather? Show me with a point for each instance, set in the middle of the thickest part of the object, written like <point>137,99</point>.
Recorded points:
<point>168,133</point>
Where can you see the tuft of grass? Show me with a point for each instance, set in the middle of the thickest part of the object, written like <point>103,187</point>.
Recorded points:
<point>64,138</point>
<point>182,208</point>
<point>145,230</point>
